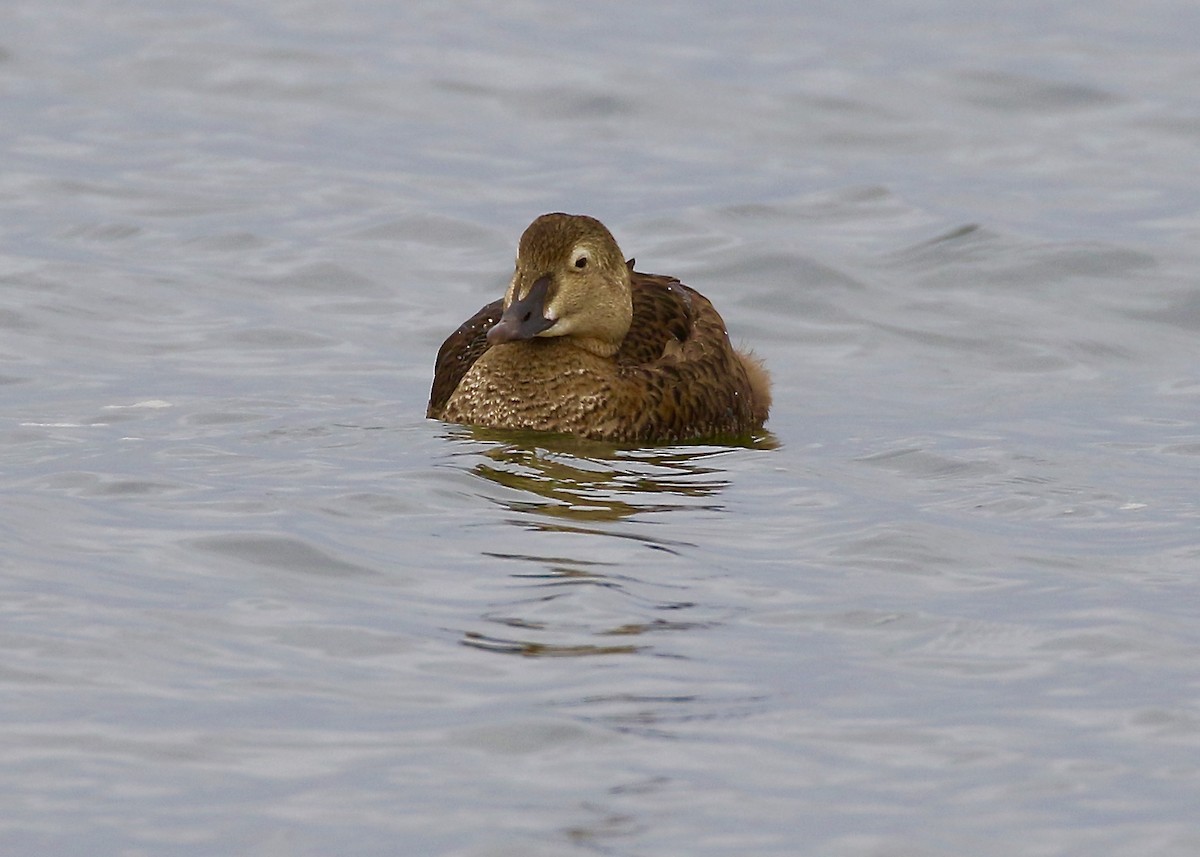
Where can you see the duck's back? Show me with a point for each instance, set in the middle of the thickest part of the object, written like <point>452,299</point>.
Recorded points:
<point>662,314</point>
<point>674,377</point>
<point>683,377</point>
<point>458,354</point>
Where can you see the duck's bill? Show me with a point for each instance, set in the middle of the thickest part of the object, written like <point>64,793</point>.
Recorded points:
<point>524,318</point>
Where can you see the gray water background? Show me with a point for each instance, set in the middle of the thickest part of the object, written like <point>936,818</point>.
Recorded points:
<point>253,603</point>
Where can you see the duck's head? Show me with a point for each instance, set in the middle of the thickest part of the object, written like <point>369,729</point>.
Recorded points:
<point>570,280</point>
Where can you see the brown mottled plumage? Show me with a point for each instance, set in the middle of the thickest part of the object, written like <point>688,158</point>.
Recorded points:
<point>581,343</point>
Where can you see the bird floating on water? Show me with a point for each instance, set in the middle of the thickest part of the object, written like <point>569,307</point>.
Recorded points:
<point>581,343</point>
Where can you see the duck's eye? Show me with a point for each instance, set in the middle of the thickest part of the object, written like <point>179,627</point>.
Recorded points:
<point>581,260</point>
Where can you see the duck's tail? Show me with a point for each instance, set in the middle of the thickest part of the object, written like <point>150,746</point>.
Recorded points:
<point>760,384</point>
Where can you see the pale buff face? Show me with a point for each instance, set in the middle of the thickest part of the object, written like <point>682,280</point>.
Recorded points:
<point>587,295</point>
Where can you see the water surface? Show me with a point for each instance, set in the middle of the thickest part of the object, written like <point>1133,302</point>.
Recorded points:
<point>252,602</point>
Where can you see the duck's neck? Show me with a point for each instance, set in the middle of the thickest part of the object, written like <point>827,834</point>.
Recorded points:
<point>543,357</point>
<point>599,347</point>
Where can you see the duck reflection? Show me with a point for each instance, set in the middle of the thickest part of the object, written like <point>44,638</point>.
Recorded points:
<point>589,587</point>
<point>531,649</point>
<point>571,479</point>
<point>555,592</point>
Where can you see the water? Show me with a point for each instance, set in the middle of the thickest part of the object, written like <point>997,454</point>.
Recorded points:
<point>254,603</point>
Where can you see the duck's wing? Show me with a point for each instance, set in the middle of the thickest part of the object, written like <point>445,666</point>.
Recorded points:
<point>459,353</point>
<point>687,380</point>
<point>662,318</point>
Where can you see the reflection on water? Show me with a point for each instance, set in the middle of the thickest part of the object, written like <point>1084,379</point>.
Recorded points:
<point>571,606</point>
<point>567,478</point>
<point>541,650</point>
<point>547,612</point>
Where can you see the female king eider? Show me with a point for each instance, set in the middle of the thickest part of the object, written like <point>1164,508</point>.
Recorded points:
<point>582,343</point>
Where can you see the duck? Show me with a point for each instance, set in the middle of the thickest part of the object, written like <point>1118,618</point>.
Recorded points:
<point>583,344</point>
